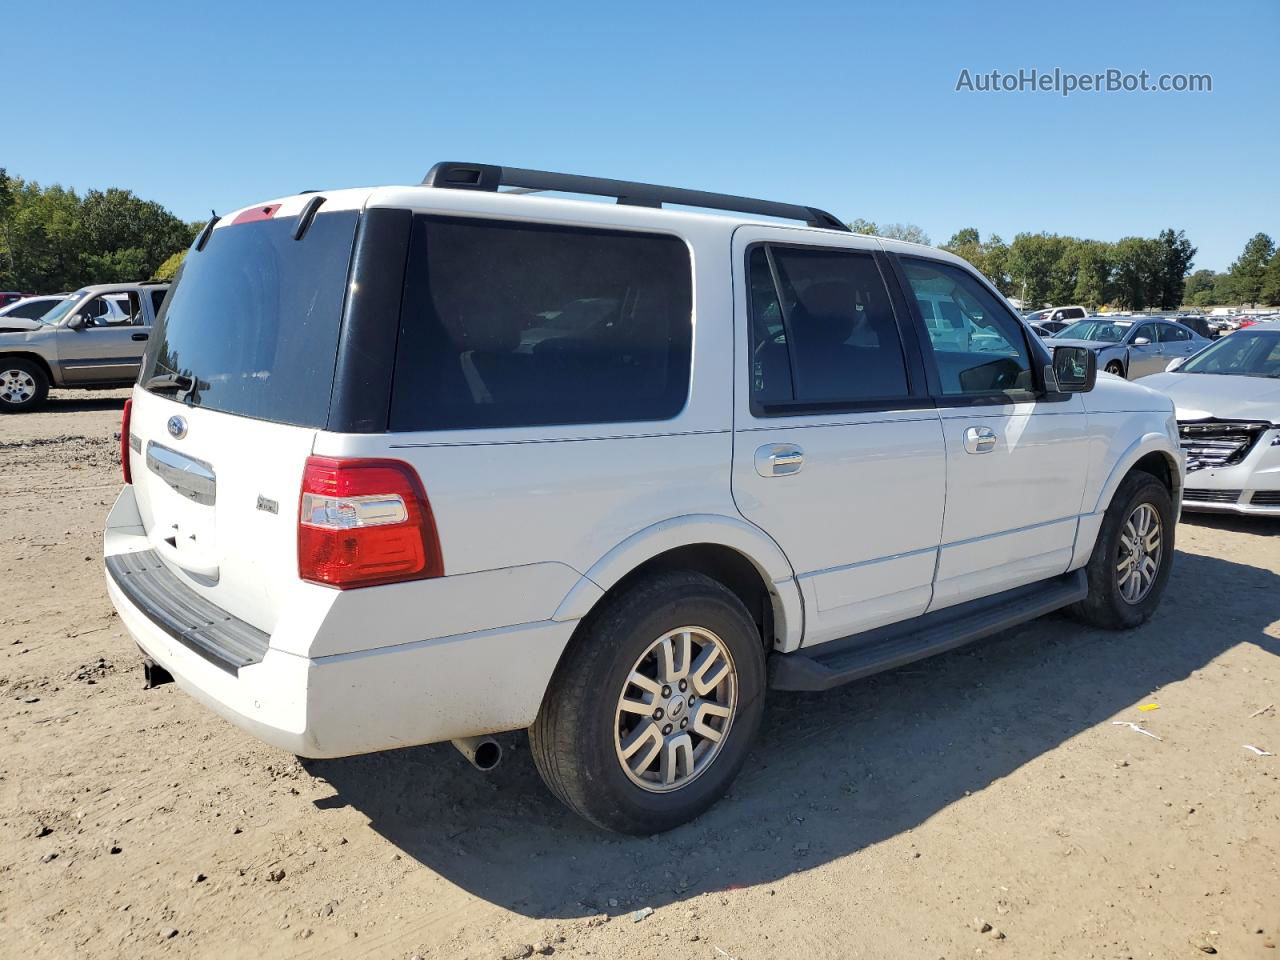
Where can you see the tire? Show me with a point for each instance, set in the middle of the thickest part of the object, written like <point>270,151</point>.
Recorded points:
<point>23,385</point>
<point>1115,367</point>
<point>581,731</point>
<point>1107,605</point>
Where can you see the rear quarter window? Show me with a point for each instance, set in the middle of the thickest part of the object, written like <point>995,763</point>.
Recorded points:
<point>512,325</point>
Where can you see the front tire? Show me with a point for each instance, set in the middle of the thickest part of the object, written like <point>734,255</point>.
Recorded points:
<point>1115,367</point>
<point>654,706</point>
<point>1132,557</point>
<point>23,385</point>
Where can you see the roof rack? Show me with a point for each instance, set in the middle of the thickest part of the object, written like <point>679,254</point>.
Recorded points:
<point>484,176</point>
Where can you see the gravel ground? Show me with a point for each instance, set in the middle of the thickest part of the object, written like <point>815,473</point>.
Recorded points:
<point>982,803</point>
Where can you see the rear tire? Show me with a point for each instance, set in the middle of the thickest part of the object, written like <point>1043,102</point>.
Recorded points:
<point>694,713</point>
<point>23,385</point>
<point>1118,601</point>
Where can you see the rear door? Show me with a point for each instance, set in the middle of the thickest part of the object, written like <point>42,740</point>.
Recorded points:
<point>1176,341</point>
<point>1016,456</point>
<point>235,384</point>
<point>837,452</point>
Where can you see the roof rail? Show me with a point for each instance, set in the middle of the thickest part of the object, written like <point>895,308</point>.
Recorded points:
<point>484,176</point>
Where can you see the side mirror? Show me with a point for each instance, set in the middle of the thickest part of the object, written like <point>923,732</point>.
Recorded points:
<point>1141,341</point>
<point>75,323</point>
<point>1174,364</point>
<point>1075,369</point>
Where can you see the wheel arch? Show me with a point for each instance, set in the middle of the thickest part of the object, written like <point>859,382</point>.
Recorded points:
<point>739,555</point>
<point>35,358</point>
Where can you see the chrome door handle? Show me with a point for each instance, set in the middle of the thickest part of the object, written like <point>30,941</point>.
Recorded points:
<point>979,440</point>
<point>779,459</point>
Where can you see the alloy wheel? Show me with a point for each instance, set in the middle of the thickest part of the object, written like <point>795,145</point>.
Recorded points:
<point>1141,551</point>
<point>675,709</point>
<point>16,386</point>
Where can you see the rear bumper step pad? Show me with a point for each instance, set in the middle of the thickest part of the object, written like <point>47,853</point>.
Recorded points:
<point>201,626</point>
<point>841,661</point>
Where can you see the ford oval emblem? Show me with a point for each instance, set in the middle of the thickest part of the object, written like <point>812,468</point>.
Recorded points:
<point>177,427</point>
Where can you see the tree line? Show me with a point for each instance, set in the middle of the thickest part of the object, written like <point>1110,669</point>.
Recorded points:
<point>1134,273</point>
<point>53,239</point>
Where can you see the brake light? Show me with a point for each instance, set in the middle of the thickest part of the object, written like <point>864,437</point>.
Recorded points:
<point>365,522</point>
<point>124,440</point>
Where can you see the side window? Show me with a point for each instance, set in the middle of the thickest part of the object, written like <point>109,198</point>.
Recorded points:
<point>1172,334</point>
<point>826,333</point>
<point>513,324</point>
<point>1147,330</point>
<point>157,298</point>
<point>981,349</point>
<point>1074,314</point>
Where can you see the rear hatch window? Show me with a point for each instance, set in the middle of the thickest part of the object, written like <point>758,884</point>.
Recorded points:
<point>253,321</point>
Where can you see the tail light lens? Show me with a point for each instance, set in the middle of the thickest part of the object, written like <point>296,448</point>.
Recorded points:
<point>124,440</point>
<point>365,522</point>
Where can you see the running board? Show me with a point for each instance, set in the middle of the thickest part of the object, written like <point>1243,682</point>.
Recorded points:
<point>852,658</point>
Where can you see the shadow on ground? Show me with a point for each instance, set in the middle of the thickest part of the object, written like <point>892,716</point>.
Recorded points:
<point>1258,526</point>
<point>859,765</point>
<point>80,401</point>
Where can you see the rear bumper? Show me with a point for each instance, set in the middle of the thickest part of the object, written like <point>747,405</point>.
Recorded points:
<point>424,691</point>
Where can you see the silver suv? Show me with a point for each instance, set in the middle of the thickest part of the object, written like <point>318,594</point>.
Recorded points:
<point>92,339</point>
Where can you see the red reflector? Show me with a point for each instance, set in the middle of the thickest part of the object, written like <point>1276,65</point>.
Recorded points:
<point>257,213</point>
<point>124,440</point>
<point>365,522</point>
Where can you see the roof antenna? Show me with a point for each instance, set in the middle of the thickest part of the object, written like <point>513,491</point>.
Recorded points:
<point>208,229</point>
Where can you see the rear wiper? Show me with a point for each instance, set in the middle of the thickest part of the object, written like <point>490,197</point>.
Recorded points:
<point>168,381</point>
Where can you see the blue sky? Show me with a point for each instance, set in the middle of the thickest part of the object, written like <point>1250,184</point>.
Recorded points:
<point>847,106</point>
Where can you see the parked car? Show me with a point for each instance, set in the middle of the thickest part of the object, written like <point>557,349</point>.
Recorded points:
<point>534,493</point>
<point>1057,315</point>
<point>12,296</point>
<point>1132,347</point>
<point>94,338</point>
<point>1201,326</point>
<point>30,308</point>
<point>1228,404</point>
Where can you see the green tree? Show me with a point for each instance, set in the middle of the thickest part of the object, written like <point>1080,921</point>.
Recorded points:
<point>1247,272</point>
<point>169,269</point>
<point>1089,264</point>
<point>905,231</point>
<point>1199,282</point>
<point>1176,254</point>
<point>1036,268</point>
<point>1270,293</point>
<point>1138,272</point>
<point>864,226</point>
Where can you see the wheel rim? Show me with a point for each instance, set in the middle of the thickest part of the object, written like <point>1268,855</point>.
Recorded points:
<point>1140,554</point>
<point>17,386</point>
<point>675,710</point>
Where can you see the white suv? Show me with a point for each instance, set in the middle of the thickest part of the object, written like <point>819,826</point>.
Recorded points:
<point>415,464</point>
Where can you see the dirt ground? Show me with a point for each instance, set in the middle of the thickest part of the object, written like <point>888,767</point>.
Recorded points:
<point>893,818</point>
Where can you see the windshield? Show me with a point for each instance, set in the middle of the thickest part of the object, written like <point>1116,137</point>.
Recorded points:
<point>62,309</point>
<point>252,320</point>
<point>1106,331</point>
<point>1246,353</point>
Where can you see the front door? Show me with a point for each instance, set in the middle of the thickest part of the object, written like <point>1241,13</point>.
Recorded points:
<point>1016,456</point>
<point>1146,358</point>
<point>108,344</point>
<point>838,452</point>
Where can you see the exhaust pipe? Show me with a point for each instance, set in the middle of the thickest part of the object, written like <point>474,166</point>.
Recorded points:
<point>153,675</point>
<point>483,753</point>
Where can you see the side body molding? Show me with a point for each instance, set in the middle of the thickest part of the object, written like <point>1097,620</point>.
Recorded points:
<point>748,540</point>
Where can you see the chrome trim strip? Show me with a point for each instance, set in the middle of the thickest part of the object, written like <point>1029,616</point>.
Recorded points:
<point>192,478</point>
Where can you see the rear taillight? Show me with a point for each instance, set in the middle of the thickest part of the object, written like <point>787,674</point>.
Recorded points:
<point>365,522</point>
<point>124,441</point>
